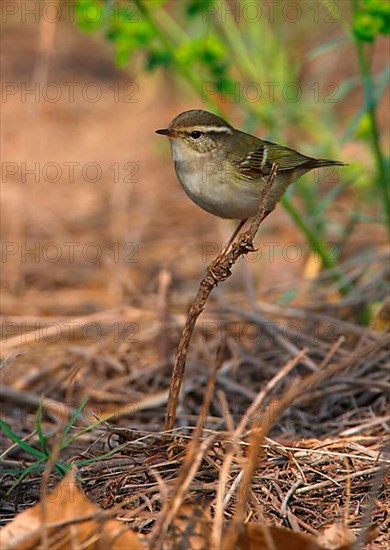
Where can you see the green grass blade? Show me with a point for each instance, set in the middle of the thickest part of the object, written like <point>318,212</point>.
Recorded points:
<point>25,446</point>
<point>74,417</point>
<point>33,468</point>
<point>38,422</point>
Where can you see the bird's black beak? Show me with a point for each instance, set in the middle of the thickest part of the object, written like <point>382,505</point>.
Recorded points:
<point>166,132</point>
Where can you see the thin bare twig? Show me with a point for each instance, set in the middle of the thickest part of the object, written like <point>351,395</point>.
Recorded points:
<point>218,271</point>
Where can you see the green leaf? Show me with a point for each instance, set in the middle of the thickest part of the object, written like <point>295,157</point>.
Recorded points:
<point>157,58</point>
<point>89,15</point>
<point>381,7</point>
<point>371,19</point>
<point>122,54</point>
<point>366,26</point>
<point>200,7</point>
<point>364,128</point>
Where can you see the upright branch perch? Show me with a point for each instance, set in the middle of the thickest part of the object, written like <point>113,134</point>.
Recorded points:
<point>218,271</point>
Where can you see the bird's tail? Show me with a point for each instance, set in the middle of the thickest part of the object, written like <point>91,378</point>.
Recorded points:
<point>321,163</point>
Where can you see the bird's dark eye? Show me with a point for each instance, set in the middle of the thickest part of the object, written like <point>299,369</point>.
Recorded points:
<point>196,134</point>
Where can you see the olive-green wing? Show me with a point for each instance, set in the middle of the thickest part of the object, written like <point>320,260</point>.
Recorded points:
<point>258,162</point>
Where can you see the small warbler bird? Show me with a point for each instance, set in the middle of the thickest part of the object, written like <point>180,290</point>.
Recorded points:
<point>223,169</point>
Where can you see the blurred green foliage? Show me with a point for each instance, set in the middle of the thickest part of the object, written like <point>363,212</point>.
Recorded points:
<point>218,55</point>
<point>370,19</point>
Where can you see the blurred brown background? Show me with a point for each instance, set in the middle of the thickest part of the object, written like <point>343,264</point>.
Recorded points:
<point>97,232</point>
<point>101,243</point>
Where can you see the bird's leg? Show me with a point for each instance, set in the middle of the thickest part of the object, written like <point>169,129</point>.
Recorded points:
<point>233,236</point>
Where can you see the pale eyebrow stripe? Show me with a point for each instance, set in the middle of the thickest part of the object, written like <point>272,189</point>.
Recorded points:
<point>209,129</point>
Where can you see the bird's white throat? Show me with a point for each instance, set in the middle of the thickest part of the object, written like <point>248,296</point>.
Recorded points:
<point>181,153</point>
